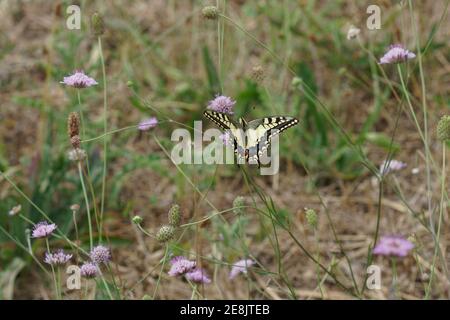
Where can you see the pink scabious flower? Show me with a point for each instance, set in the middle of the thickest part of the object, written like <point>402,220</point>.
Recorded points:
<point>89,270</point>
<point>222,104</point>
<point>240,267</point>
<point>43,229</point>
<point>393,165</point>
<point>100,254</point>
<point>180,266</point>
<point>147,124</point>
<point>393,246</point>
<point>57,258</point>
<point>198,275</point>
<point>396,54</point>
<point>79,80</point>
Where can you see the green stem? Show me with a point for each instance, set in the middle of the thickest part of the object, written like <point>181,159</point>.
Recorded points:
<point>55,283</point>
<point>42,212</point>
<point>105,142</point>
<point>83,130</point>
<point>109,133</point>
<point>424,106</point>
<point>394,275</point>
<point>88,210</point>
<point>166,251</point>
<point>438,235</point>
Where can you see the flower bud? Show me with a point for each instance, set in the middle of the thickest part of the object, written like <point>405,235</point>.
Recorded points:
<point>175,216</point>
<point>97,24</point>
<point>311,218</point>
<point>137,219</point>
<point>165,233</point>
<point>237,204</point>
<point>210,12</point>
<point>296,82</point>
<point>443,128</point>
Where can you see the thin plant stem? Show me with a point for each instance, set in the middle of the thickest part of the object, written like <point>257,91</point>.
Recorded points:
<point>83,129</point>
<point>109,133</point>
<point>438,234</point>
<point>88,210</point>
<point>105,142</point>
<point>424,106</point>
<point>42,212</point>
<point>55,283</point>
<point>394,275</point>
<point>166,251</point>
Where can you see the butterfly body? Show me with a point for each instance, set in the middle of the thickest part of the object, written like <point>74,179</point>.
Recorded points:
<point>252,138</point>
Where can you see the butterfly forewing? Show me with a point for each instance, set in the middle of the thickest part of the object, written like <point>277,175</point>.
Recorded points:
<point>235,130</point>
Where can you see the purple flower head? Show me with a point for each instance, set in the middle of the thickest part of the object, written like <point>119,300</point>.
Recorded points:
<point>393,165</point>
<point>100,254</point>
<point>43,229</point>
<point>393,246</point>
<point>79,80</point>
<point>198,275</point>
<point>57,258</point>
<point>222,104</point>
<point>240,267</point>
<point>89,270</point>
<point>396,54</point>
<point>147,124</point>
<point>180,266</point>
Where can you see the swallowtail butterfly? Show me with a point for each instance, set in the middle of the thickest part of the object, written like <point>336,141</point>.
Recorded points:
<point>252,138</point>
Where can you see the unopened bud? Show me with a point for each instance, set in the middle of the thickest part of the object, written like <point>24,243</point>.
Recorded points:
<point>210,12</point>
<point>175,216</point>
<point>165,233</point>
<point>97,24</point>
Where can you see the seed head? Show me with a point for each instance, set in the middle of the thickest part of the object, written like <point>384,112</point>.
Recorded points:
<point>73,125</point>
<point>311,218</point>
<point>75,141</point>
<point>165,233</point>
<point>237,204</point>
<point>443,128</point>
<point>210,12</point>
<point>258,74</point>
<point>97,24</point>
<point>77,155</point>
<point>174,216</point>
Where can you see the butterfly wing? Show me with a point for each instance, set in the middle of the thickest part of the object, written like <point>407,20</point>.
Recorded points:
<point>261,131</point>
<point>236,131</point>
